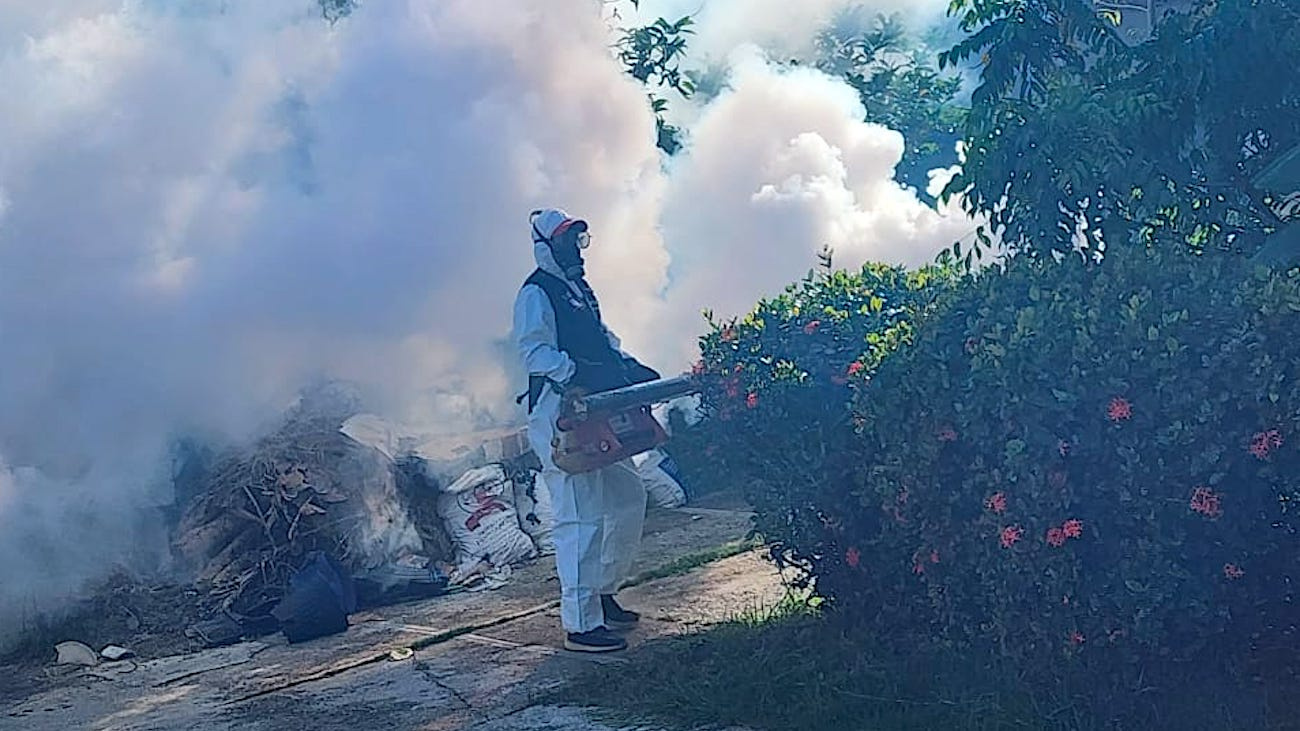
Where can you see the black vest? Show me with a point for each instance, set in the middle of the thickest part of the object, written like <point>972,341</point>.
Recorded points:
<point>580,334</point>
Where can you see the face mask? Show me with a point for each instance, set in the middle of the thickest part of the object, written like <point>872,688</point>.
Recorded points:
<point>567,250</point>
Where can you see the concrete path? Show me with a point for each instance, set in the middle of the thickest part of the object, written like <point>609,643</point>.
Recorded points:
<point>480,662</point>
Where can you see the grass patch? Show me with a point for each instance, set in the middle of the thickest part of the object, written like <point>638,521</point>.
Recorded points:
<point>787,668</point>
<point>693,561</point>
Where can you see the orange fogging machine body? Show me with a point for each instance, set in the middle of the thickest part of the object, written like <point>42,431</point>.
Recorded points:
<point>599,429</point>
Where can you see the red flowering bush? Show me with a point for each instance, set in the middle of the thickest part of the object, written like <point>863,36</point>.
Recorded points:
<point>783,379</point>
<point>1046,462</point>
<point>1123,480</point>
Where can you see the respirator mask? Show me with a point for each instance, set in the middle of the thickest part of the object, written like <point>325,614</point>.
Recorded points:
<point>567,245</point>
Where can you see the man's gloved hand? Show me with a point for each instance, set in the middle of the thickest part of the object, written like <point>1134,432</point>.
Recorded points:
<point>569,395</point>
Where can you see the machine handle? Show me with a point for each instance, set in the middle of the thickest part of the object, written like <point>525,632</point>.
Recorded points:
<point>641,394</point>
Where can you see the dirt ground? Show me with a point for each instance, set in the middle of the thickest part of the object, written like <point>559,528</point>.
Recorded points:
<point>482,661</point>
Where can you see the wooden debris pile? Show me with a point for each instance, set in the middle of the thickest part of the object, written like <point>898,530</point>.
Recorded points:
<point>307,487</point>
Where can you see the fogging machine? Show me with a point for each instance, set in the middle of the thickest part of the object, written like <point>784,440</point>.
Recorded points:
<point>599,429</point>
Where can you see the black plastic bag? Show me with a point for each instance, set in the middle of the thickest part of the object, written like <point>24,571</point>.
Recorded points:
<point>321,596</point>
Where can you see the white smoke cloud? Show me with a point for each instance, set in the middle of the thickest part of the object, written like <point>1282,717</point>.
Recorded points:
<point>203,209</point>
<point>208,208</point>
<point>779,166</point>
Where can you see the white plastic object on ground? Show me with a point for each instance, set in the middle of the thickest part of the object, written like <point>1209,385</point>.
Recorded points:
<point>663,490</point>
<point>75,653</point>
<point>115,652</point>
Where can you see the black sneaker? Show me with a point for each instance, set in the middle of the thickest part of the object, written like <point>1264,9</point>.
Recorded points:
<point>597,640</point>
<point>616,616</point>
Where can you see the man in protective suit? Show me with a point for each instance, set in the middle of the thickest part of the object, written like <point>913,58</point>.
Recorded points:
<point>599,515</point>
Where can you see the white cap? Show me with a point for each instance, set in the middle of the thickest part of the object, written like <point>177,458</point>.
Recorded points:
<point>549,221</point>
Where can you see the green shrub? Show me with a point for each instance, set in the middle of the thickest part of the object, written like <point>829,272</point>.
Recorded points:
<point>778,412</point>
<point>1073,463</point>
<point>1082,458</point>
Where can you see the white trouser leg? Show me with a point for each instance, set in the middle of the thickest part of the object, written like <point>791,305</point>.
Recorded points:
<point>579,534</point>
<point>577,505</point>
<point>624,501</point>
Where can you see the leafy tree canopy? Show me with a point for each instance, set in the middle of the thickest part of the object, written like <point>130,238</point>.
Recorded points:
<point>1075,131</point>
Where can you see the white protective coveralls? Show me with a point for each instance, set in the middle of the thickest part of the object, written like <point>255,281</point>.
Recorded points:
<point>599,516</point>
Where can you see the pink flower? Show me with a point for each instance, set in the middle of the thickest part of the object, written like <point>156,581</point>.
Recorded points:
<point>698,368</point>
<point>1265,442</point>
<point>1011,535</point>
<point>1076,637</point>
<point>1073,528</point>
<point>997,502</point>
<point>855,368</point>
<point>728,334</point>
<point>811,327</point>
<point>918,568</point>
<point>1205,502</point>
<point>751,401</point>
<point>1120,410</point>
<point>934,557</point>
<point>1232,571</point>
<point>947,434</point>
<point>852,557</point>
<point>1055,537</point>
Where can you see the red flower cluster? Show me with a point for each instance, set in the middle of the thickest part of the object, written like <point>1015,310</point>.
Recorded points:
<point>1076,637</point>
<point>1232,571</point>
<point>855,368</point>
<point>1120,410</point>
<point>997,502</point>
<point>751,401</point>
<point>1265,442</point>
<point>1205,502</point>
<point>811,327</point>
<point>947,434</point>
<point>1072,528</point>
<point>1011,535</point>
